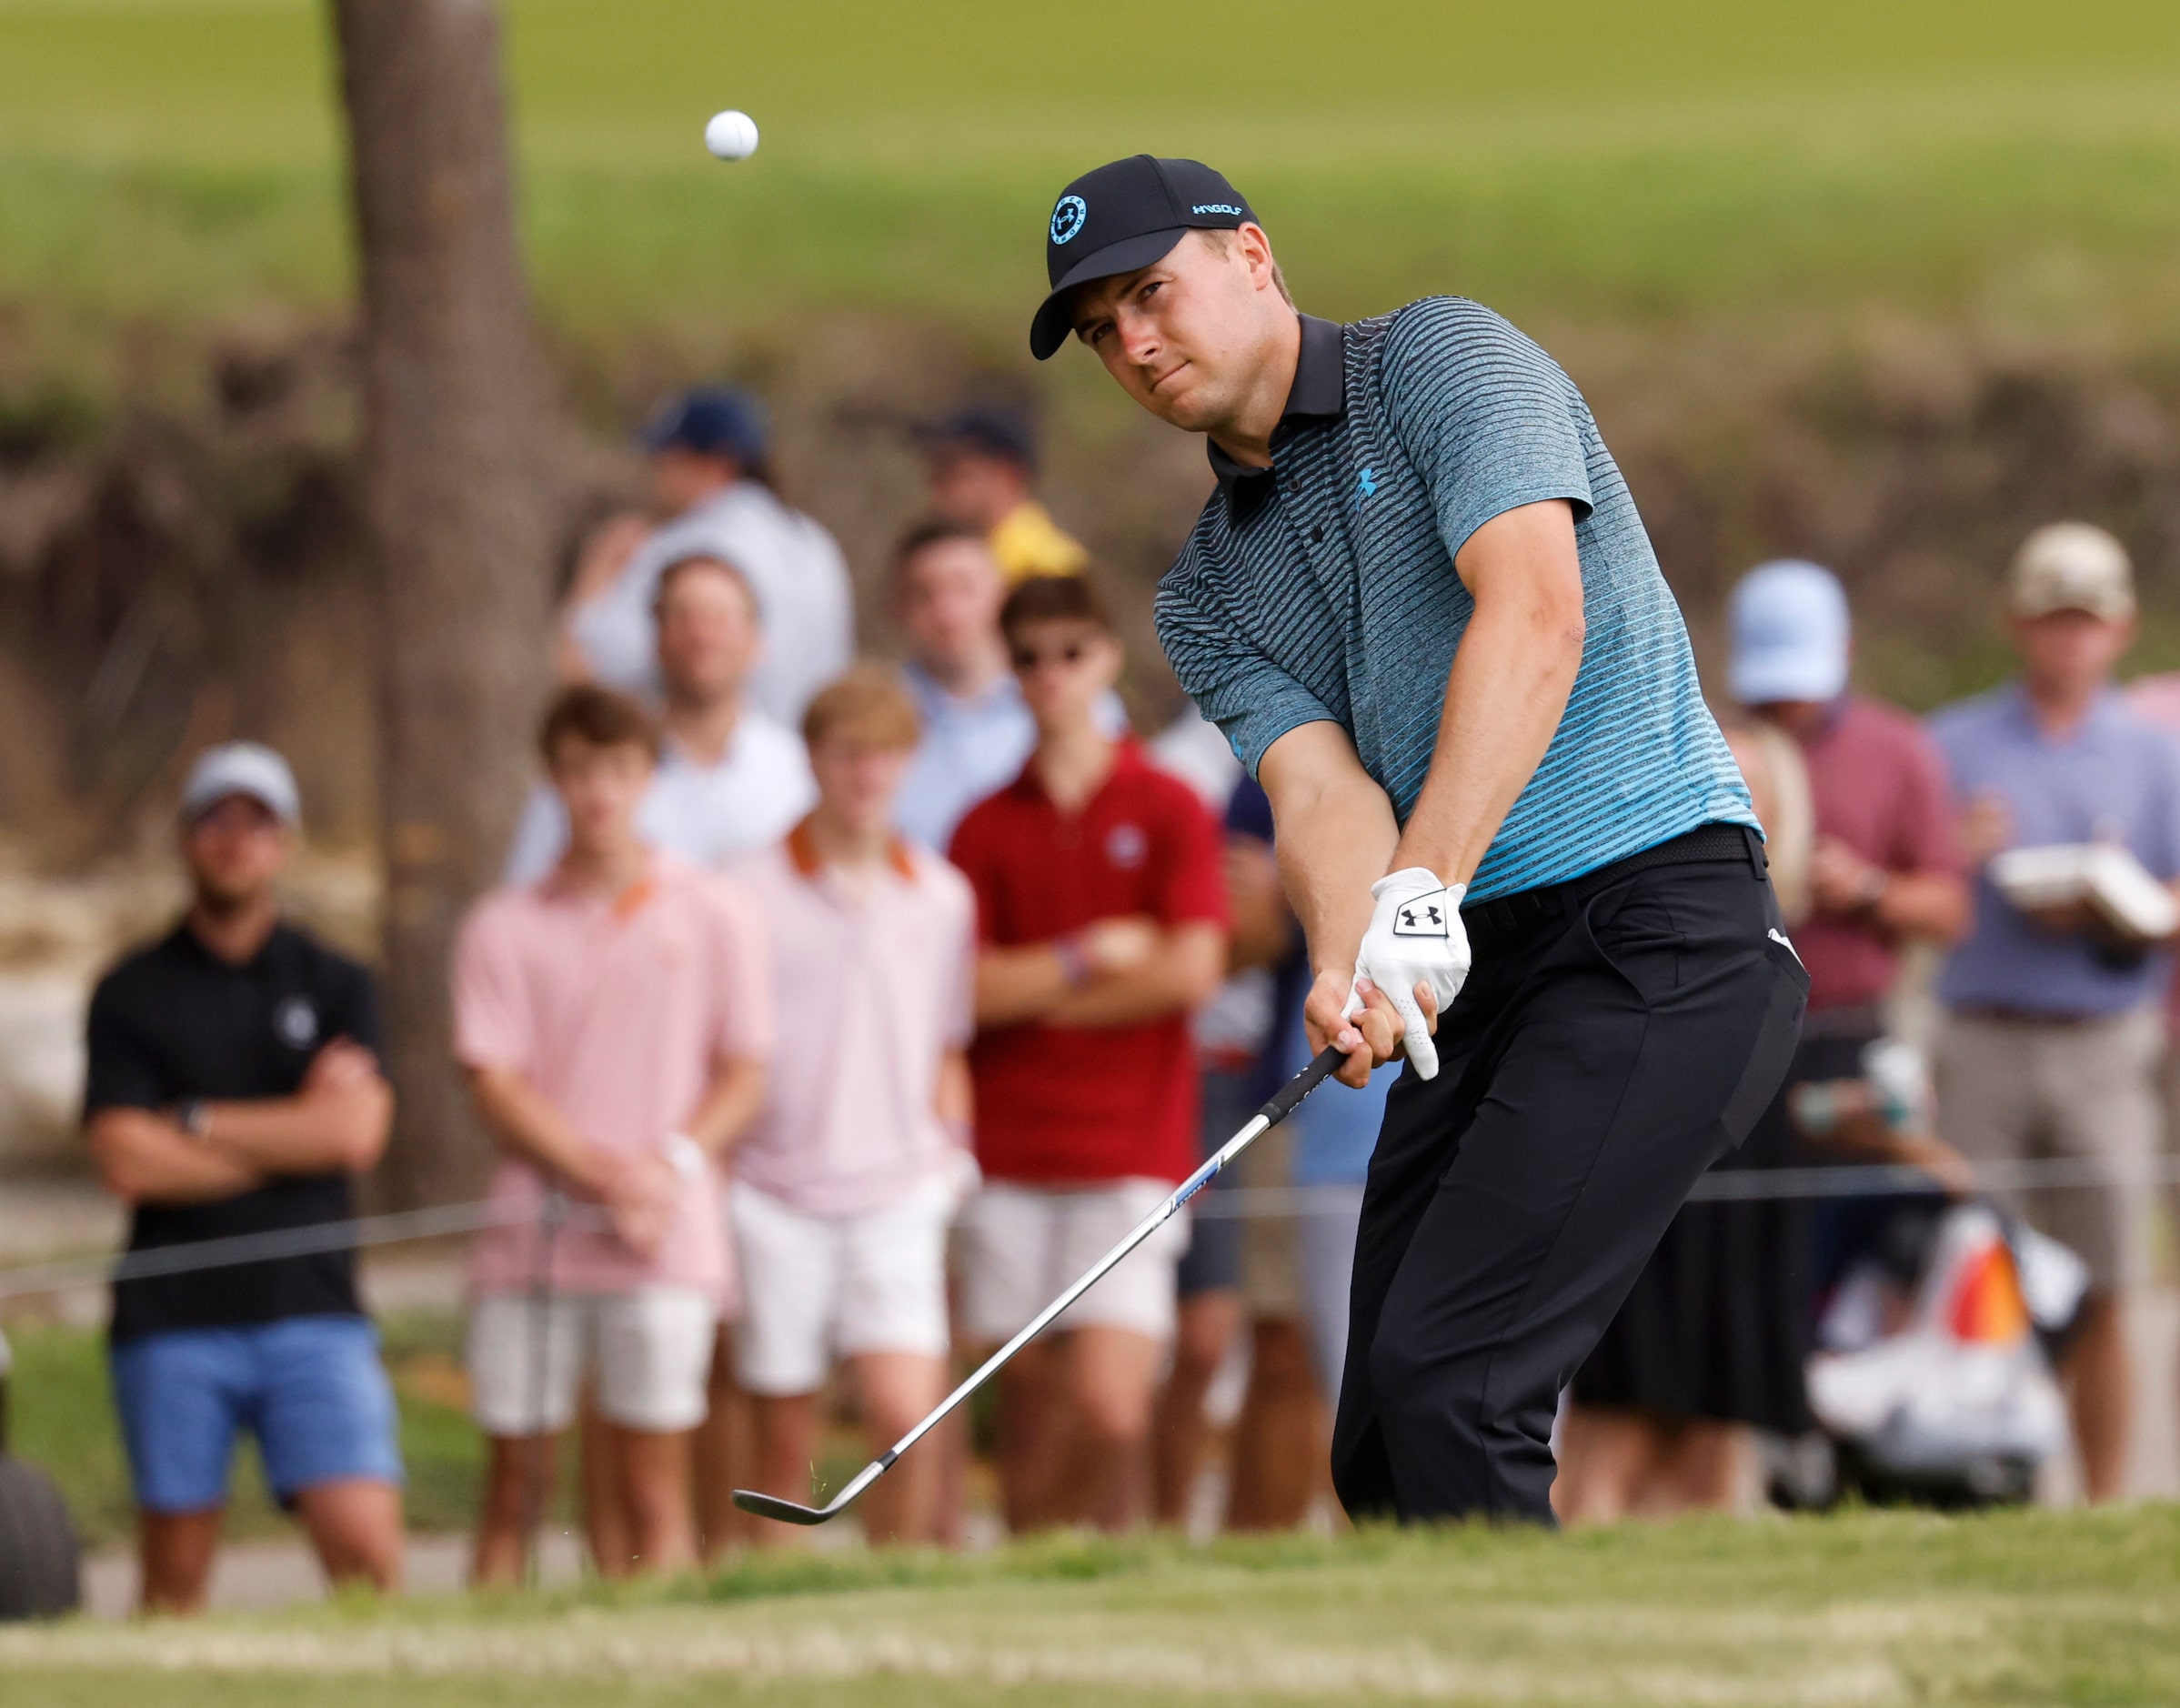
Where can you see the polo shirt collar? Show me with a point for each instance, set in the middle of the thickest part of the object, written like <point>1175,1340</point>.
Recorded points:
<point>183,940</point>
<point>2108,706</point>
<point>802,854</point>
<point>1318,393</point>
<point>937,701</point>
<point>1127,757</point>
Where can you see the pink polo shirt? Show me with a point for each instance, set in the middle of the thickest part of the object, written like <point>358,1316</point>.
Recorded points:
<point>870,992</point>
<point>617,1010</point>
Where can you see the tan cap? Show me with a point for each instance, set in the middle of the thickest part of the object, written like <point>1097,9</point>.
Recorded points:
<point>2071,566</point>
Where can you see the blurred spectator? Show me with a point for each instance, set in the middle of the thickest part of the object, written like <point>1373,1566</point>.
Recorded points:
<point>1230,1033</point>
<point>2156,699</point>
<point>1100,914</point>
<point>983,472</point>
<point>842,1194</point>
<point>729,779</point>
<point>711,489</point>
<point>615,1019</point>
<point>2051,1040</point>
<point>1713,1340</point>
<point>233,1088</point>
<point>977,734</point>
<point>1279,1458</point>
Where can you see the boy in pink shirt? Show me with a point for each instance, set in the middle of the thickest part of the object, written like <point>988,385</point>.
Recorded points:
<point>615,1019</point>
<point>842,1193</point>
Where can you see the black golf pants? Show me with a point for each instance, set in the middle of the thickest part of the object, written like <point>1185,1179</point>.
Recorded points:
<point>1617,1034</point>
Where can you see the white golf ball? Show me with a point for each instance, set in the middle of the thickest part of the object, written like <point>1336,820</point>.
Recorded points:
<point>731,136</point>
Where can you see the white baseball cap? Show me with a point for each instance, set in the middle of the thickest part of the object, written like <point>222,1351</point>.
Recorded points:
<point>2071,566</point>
<point>1790,632</point>
<point>242,768</point>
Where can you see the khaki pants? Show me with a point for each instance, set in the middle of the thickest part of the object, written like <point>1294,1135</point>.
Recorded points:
<point>2021,1090</point>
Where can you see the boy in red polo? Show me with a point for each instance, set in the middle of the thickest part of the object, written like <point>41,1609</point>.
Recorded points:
<point>1101,924</point>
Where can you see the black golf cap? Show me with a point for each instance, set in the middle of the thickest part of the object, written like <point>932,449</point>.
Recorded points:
<point>1123,217</point>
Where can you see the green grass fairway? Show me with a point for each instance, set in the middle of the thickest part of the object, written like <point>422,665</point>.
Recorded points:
<point>2012,160</point>
<point>1866,1609</point>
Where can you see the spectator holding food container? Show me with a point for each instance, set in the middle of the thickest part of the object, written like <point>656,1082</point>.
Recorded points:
<point>2051,1042</point>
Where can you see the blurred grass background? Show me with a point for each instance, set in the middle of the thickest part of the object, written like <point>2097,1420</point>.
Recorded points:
<point>1883,283</point>
<point>1588,157</point>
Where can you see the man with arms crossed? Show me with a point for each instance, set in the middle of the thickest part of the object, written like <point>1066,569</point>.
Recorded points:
<point>614,1020</point>
<point>233,1090</point>
<point>1423,609</point>
<point>1103,922</point>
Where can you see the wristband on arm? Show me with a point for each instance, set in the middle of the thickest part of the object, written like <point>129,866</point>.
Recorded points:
<point>686,1155</point>
<point>1074,961</point>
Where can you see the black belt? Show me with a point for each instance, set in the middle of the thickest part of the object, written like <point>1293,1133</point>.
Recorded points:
<point>1703,845</point>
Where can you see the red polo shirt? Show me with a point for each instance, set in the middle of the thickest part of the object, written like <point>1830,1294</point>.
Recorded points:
<point>1062,1104</point>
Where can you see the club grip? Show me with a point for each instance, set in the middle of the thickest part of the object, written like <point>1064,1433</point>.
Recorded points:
<point>1283,1104</point>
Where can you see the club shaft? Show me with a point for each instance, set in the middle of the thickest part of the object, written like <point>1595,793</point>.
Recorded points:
<point>1327,1062</point>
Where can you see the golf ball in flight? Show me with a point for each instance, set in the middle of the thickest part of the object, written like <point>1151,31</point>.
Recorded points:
<point>731,136</point>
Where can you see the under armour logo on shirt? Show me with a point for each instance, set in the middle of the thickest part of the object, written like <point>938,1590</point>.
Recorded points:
<point>1421,919</point>
<point>1366,484</point>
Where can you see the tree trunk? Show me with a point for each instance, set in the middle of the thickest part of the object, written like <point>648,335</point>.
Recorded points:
<point>454,397</point>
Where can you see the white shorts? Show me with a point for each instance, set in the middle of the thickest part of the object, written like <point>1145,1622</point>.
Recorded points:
<point>816,1288</point>
<point>1022,1245</point>
<point>647,1352</point>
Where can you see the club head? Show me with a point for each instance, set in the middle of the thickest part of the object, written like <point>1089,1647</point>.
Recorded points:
<point>785,1512</point>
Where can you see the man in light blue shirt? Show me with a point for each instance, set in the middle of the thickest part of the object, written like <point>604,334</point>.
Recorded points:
<point>976,733</point>
<point>2053,1036</point>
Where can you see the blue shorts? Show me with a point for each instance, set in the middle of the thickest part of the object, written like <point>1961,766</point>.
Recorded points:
<point>312,1390</point>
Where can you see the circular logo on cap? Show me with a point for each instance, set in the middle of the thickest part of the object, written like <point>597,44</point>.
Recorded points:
<point>1068,217</point>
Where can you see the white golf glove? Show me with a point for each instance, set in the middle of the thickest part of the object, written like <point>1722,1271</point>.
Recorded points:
<point>1415,937</point>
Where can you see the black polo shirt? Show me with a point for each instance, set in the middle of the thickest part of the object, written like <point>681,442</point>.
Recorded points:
<point>173,1021</point>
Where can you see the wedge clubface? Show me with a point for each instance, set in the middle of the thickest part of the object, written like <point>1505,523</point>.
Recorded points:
<point>1281,1105</point>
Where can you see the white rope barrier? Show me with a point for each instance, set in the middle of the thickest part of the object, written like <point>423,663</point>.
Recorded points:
<point>1220,1203</point>
<point>311,1240</point>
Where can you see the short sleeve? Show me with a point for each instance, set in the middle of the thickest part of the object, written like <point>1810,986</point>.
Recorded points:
<point>1927,836</point>
<point>1252,700</point>
<point>351,1009</point>
<point>1490,422</point>
<point>1193,886</point>
<point>495,1021</point>
<point>742,1026</point>
<point>119,1070</point>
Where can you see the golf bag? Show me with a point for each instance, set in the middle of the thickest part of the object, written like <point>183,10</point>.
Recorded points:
<point>1933,1368</point>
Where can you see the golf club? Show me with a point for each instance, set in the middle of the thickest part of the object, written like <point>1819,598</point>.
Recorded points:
<point>1281,1105</point>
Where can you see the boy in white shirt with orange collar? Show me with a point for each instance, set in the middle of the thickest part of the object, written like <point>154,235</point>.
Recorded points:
<point>844,1189</point>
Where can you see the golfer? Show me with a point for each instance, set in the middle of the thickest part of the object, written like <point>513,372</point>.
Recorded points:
<point>1423,610</point>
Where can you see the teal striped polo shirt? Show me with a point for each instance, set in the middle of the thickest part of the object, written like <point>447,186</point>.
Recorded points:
<point>1323,588</point>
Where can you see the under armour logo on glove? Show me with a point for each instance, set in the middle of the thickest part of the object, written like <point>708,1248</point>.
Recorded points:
<point>1415,937</point>
<point>1426,919</point>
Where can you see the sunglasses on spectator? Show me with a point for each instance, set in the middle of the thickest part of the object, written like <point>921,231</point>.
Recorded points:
<point>1067,652</point>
